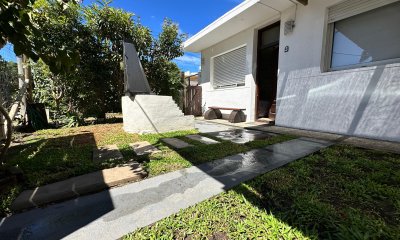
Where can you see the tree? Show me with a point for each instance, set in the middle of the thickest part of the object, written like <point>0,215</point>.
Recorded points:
<point>16,27</point>
<point>80,48</point>
<point>97,32</point>
<point>8,81</point>
<point>164,75</point>
<point>8,86</point>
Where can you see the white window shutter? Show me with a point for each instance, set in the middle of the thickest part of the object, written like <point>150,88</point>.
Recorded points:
<point>229,69</point>
<point>354,7</point>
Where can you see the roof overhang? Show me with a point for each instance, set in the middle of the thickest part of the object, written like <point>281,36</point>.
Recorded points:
<point>245,15</point>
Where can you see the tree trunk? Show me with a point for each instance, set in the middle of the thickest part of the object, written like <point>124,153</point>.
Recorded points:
<point>20,96</point>
<point>2,129</point>
<point>20,101</point>
<point>28,77</point>
<point>21,84</point>
<point>8,136</point>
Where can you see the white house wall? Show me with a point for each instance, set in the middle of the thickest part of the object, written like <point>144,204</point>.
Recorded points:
<point>233,97</point>
<point>362,102</point>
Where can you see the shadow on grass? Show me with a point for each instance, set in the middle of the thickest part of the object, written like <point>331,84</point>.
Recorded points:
<point>341,192</point>
<point>48,160</point>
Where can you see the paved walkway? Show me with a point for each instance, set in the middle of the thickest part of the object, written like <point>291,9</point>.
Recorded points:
<point>116,212</point>
<point>223,125</point>
<point>374,144</point>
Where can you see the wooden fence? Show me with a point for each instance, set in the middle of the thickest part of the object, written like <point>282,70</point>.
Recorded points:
<point>192,104</point>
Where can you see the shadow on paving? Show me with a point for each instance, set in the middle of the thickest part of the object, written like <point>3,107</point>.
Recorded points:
<point>236,169</point>
<point>46,161</point>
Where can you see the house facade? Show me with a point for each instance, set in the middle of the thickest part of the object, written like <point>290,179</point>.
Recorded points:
<point>328,65</point>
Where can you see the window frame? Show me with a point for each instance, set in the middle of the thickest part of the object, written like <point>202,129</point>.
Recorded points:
<point>212,69</point>
<point>329,41</point>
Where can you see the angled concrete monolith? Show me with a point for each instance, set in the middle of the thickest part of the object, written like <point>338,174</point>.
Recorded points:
<point>143,112</point>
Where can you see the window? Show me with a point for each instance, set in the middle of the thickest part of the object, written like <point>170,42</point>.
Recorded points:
<point>365,38</point>
<point>229,69</point>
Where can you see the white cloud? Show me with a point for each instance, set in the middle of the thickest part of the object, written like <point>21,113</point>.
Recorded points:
<point>187,59</point>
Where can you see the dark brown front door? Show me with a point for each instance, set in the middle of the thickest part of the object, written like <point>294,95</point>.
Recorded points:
<point>267,70</point>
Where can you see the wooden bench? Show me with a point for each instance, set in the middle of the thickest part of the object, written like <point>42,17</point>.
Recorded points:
<point>236,115</point>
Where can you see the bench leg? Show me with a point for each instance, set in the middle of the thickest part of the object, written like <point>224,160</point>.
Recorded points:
<point>237,117</point>
<point>211,114</point>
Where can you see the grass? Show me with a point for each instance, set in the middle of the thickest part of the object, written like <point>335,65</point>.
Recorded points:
<point>341,192</point>
<point>57,154</point>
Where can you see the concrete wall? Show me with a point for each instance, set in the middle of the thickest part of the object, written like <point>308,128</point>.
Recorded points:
<point>363,102</point>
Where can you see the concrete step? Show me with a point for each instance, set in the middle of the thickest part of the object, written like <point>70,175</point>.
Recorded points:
<point>77,186</point>
<point>169,124</point>
<point>176,143</point>
<point>144,148</point>
<point>202,139</point>
<point>154,114</point>
<point>156,109</point>
<point>106,153</point>
<point>267,121</point>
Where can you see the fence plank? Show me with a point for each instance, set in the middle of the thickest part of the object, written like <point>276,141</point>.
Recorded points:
<point>193,101</point>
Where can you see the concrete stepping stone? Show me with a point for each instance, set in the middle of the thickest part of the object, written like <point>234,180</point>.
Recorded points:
<point>106,153</point>
<point>77,186</point>
<point>202,139</point>
<point>114,213</point>
<point>143,148</point>
<point>176,143</point>
<point>242,136</point>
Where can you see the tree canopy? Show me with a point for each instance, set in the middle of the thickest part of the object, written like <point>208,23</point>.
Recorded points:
<point>17,27</point>
<point>91,84</point>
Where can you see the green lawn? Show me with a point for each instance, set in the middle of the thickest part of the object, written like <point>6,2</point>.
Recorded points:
<point>341,192</point>
<point>53,155</point>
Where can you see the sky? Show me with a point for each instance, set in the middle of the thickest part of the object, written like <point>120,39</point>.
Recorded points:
<point>191,15</point>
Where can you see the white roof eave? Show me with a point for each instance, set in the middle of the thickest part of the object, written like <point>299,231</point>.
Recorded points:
<point>242,17</point>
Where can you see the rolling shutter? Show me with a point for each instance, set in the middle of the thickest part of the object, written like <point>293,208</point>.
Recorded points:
<point>354,7</point>
<point>230,68</point>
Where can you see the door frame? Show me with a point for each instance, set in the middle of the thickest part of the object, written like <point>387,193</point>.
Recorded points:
<point>258,46</point>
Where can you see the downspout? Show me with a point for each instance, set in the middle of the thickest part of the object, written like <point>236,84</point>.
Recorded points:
<point>295,10</point>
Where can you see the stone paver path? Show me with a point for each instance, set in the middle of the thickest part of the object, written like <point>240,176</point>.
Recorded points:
<point>176,143</point>
<point>106,153</point>
<point>202,139</point>
<point>77,186</point>
<point>208,127</point>
<point>143,148</point>
<point>116,212</point>
<point>242,136</point>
